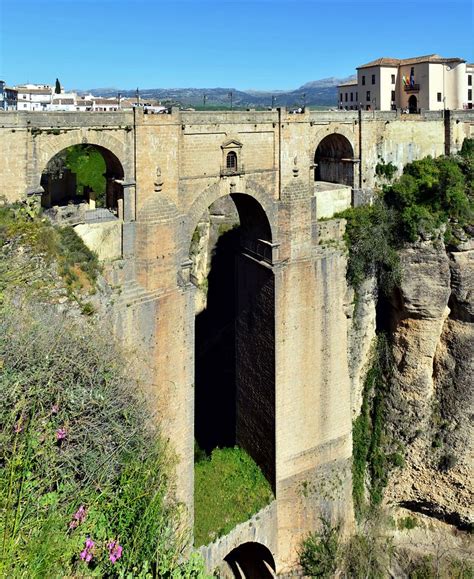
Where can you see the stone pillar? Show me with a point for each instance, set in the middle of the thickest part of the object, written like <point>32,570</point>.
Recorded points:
<point>312,398</point>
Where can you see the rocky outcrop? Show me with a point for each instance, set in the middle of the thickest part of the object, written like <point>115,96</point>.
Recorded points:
<point>361,314</point>
<point>430,406</point>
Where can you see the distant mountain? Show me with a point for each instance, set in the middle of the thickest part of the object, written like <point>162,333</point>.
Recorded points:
<point>315,93</point>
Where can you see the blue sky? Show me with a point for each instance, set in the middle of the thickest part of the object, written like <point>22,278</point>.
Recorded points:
<point>261,44</point>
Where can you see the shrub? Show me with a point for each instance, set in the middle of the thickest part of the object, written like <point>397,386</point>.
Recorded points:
<point>82,460</point>
<point>372,243</point>
<point>319,551</point>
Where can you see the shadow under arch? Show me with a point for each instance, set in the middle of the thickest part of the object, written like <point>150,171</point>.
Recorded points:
<point>247,203</point>
<point>252,560</point>
<point>333,159</point>
<point>235,344</point>
<point>60,185</point>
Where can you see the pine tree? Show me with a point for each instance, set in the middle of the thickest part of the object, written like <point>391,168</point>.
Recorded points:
<point>57,89</point>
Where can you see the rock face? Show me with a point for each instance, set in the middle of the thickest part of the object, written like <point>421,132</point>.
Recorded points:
<point>430,406</point>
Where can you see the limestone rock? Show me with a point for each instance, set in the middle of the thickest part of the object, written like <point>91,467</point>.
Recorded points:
<point>431,392</point>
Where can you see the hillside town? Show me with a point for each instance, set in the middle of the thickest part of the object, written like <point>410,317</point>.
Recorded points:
<point>46,98</point>
<point>409,85</point>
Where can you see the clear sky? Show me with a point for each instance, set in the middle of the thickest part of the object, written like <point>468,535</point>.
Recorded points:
<point>261,44</point>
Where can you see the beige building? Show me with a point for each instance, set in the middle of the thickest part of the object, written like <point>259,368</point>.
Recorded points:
<point>412,84</point>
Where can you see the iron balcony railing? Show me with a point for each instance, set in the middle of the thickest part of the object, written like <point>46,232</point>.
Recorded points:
<point>411,87</point>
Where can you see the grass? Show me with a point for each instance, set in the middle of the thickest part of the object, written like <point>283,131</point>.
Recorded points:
<point>21,226</point>
<point>229,489</point>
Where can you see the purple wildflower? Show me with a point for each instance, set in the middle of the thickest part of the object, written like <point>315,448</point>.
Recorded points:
<point>115,551</point>
<point>87,554</point>
<point>54,409</point>
<point>61,433</point>
<point>18,427</point>
<point>78,517</point>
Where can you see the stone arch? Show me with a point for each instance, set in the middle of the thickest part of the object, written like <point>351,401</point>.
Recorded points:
<point>47,144</point>
<point>252,560</point>
<point>215,192</point>
<point>61,190</point>
<point>334,160</point>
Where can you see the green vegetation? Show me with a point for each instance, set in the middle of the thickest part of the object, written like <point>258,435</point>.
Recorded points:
<point>319,552</point>
<point>385,170</point>
<point>407,523</point>
<point>89,166</point>
<point>21,226</point>
<point>367,553</point>
<point>372,461</point>
<point>371,236</point>
<point>229,488</point>
<point>430,193</point>
<point>84,480</point>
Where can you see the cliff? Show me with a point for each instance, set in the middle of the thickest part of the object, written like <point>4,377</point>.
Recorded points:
<point>430,405</point>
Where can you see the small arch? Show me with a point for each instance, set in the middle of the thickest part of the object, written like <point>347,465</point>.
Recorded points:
<point>334,160</point>
<point>63,185</point>
<point>253,560</point>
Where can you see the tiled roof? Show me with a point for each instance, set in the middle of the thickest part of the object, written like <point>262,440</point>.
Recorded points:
<point>99,101</point>
<point>34,90</point>
<point>384,61</point>
<point>349,83</point>
<point>395,62</point>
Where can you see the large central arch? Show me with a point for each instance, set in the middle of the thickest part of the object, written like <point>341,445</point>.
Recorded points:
<point>334,160</point>
<point>237,328</point>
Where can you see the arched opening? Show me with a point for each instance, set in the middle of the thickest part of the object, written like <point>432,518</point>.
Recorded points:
<point>234,337</point>
<point>412,104</point>
<point>231,161</point>
<point>251,560</point>
<point>334,160</point>
<point>85,176</point>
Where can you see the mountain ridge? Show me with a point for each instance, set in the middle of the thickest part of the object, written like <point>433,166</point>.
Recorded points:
<point>320,92</point>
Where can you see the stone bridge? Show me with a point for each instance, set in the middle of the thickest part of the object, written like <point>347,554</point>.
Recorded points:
<point>292,407</point>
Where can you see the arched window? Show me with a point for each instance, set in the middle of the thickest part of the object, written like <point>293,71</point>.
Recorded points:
<point>231,161</point>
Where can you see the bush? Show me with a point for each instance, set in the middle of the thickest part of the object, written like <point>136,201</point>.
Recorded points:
<point>85,478</point>
<point>429,193</point>
<point>319,552</point>
<point>371,239</point>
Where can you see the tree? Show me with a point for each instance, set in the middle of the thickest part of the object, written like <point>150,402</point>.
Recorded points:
<point>57,88</point>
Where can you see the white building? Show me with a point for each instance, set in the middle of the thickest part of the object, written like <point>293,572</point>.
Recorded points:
<point>425,82</point>
<point>34,97</point>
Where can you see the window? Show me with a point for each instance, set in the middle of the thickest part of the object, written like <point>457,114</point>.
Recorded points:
<point>469,79</point>
<point>352,97</point>
<point>393,95</point>
<point>440,98</point>
<point>341,97</point>
<point>373,79</point>
<point>231,161</point>
<point>393,79</point>
<point>469,94</point>
<point>346,97</point>
<point>363,80</point>
<point>368,95</point>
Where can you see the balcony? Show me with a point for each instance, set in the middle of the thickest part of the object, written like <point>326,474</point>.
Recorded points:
<point>232,171</point>
<point>411,88</point>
